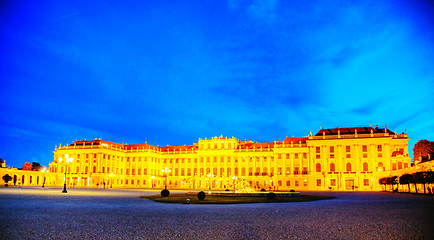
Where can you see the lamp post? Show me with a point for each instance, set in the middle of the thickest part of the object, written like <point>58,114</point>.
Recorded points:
<point>165,170</point>
<point>43,171</point>
<point>111,179</point>
<point>67,161</point>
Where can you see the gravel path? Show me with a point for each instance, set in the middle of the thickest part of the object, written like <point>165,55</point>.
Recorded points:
<point>34,213</point>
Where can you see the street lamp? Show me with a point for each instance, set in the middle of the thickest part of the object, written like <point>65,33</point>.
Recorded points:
<point>165,170</point>
<point>67,161</point>
<point>43,171</point>
<point>111,179</point>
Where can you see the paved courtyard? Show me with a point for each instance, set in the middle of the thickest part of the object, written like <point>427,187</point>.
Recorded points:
<point>35,213</point>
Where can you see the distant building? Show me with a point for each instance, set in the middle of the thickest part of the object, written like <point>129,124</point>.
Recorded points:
<point>332,159</point>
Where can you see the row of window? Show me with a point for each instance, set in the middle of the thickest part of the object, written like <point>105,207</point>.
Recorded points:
<point>221,171</point>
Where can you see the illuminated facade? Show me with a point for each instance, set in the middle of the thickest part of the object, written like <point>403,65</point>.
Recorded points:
<point>332,159</point>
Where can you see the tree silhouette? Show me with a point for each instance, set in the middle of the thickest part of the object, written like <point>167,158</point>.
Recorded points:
<point>36,166</point>
<point>6,178</point>
<point>420,177</point>
<point>406,179</point>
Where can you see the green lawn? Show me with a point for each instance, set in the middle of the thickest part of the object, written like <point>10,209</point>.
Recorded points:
<point>217,199</point>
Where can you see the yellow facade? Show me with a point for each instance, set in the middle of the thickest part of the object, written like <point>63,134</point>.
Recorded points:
<point>333,159</point>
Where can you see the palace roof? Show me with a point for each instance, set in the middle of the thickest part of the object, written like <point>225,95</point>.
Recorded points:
<point>346,131</point>
<point>296,140</point>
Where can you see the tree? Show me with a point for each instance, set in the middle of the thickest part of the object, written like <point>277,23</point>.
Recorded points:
<point>36,166</point>
<point>394,180</point>
<point>406,179</point>
<point>423,147</point>
<point>27,166</point>
<point>383,181</point>
<point>7,178</point>
<point>420,177</point>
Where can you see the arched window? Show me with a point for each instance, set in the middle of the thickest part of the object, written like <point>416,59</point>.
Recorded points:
<point>94,169</point>
<point>258,170</point>
<point>229,171</point>
<point>78,169</point>
<point>176,171</point>
<point>30,179</point>
<point>380,166</point>
<point>365,166</point>
<point>250,171</point>
<point>201,171</point>
<point>214,171</point>
<point>399,165</point>
<point>348,167</point>
<point>103,169</point>
<point>22,180</point>
<point>332,167</point>
<point>86,169</point>
<point>182,172</point>
<point>236,171</point>
<point>37,180</point>
<point>222,171</point>
<point>188,171</point>
<point>208,171</point>
<point>195,171</point>
<point>243,171</point>
<point>318,167</point>
<point>265,171</point>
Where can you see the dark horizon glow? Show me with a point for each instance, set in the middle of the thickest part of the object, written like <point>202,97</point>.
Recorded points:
<point>171,73</point>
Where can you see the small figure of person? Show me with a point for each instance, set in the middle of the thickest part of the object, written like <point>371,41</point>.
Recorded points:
<point>97,185</point>
<point>103,184</point>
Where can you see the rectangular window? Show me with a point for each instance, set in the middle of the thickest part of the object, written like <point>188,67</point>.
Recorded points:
<point>296,156</point>
<point>365,182</point>
<point>280,183</point>
<point>348,148</point>
<point>318,149</point>
<point>287,156</point>
<point>332,149</point>
<point>288,183</point>
<point>94,155</point>
<point>332,182</point>
<point>296,183</point>
<point>304,155</point>
<point>379,148</point>
<point>348,155</point>
<point>279,156</point>
<point>288,170</point>
<point>365,155</point>
<point>364,148</point>
<point>318,182</point>
<point>332,156</point>
<point>380,155</point>
<point>279,171</point>
<point>318,156</point>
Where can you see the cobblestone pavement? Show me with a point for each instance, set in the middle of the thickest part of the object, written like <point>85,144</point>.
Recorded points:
<point>35,213</point>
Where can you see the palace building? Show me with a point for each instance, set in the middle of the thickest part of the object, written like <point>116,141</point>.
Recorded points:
<point>332,159</point>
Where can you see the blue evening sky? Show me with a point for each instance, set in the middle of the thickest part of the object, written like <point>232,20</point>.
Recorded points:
<point>170,72</point>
